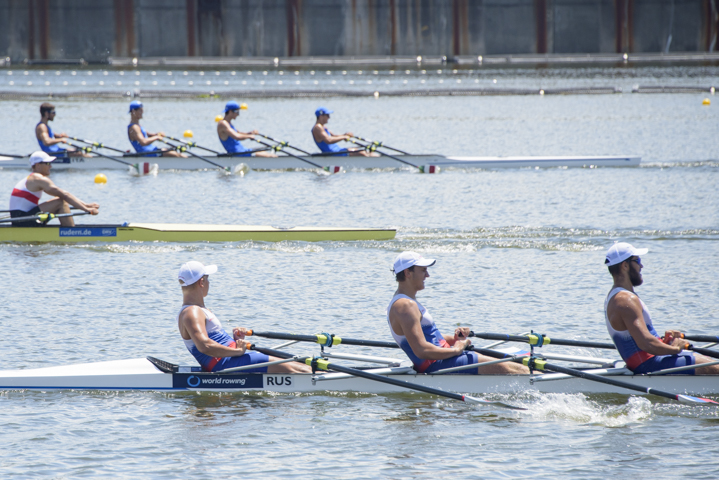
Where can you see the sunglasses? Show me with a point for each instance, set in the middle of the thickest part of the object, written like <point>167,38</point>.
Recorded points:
<point>638,260</point>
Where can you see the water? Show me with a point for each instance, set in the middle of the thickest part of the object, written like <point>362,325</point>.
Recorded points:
<point>516,249</point>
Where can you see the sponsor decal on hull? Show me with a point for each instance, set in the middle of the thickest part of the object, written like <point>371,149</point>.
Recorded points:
<point>239,382</point>
<point>88,232</point>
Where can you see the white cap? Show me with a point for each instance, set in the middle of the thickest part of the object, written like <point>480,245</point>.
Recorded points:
<point>40,157</point>
<point>191,272</point>
<point>620,251</point>
<point>409,259</point>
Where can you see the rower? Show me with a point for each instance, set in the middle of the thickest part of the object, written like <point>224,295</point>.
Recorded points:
<point>50,141</point>
<point>230,138</point>
<point>143,141</point>
<point>630,324</point>
<point>204,336</point>
<point>327,141</point>
<point>415,332</point>
<point>25,197</point>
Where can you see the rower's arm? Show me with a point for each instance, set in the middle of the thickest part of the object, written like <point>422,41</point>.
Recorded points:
<point>44,136</point>
<point>46,185</point>
<point>192,323</point>
<point>627,310</point>
<point>321,135</point>
<point>405,314</point>
<point>136,136</point>
<point>226,131</point>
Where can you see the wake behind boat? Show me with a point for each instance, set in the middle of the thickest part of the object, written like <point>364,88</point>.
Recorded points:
<point>300,162</point>
<point>156,375</point>
<point>168,232</point>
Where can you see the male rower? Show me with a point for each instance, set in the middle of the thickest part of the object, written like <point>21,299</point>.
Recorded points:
<point>143,141</point>
<point>327,141</point>
<point>49,141</point>
<point>25,197</point>
<point>630,324</point>
<point>204,336</point>
<point>231,139</point>
<point>416,333</point>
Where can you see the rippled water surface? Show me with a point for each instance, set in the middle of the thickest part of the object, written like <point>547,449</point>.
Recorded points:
<point>516,249</point>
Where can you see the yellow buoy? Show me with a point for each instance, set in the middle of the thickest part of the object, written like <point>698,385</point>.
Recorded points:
<point>188,134</point>
<point>219,118</point>
<point>100,178</point>
<point>243,106</point>
<point>706,101</point>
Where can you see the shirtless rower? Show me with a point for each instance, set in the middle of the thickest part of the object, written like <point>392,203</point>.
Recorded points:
<point>230,138</point>
<point>143,141</point>
<point>25,197</point>
<point>327,141</point>
<point>415,332</point>
<point>204,336</point>
<point>630,324</point>
<point>49,141</point>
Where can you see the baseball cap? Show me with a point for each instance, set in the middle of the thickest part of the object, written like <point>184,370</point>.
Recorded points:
<point>231,105</point>
<point>135,105</point>
<point>409,259</point>
<point>620,251</point>
<point>191,272</point>
<point>322,111</point>
<point>40,157</point>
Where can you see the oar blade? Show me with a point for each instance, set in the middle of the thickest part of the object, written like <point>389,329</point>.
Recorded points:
<point>143,168</point>
<point>469,399</point>
<point>696,400</point>
<point>333,169</point>
<point>241,169</point>
<point>429,169</point>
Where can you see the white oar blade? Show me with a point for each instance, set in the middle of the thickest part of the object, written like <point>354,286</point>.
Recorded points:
<point>469,399</point>
<point>333,169</point>
<point>696,400</point>
<point>429,169</point>
<point>241,169</point>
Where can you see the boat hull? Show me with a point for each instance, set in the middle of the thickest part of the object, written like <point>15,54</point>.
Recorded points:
<point>159,232</point>
<point>141,374</point>
<point>348,163</point>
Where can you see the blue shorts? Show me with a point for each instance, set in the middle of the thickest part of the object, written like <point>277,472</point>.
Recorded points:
<point>26,223</point>
<point>249,358</point>
<point>662,362</point>
<point>465,358</point>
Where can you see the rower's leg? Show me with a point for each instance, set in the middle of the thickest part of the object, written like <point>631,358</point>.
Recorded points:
<point>290,367</point>
<point>500,368</point>
<point>58,206</point>
<point>172,153</point>
<point>710,370</point>
<point>265,154</point>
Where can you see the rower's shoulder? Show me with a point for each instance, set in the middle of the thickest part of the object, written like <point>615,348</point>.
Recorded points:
<point>404,305</point>
<point>625,299</point>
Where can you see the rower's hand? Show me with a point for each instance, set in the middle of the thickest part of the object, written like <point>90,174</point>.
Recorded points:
<point>62,140</point>
<point>242,347</point>
<point>461,333</point>
<point>254,132</point>
<point>239,333</point>
<point>460,345</point>
<point>349,135</point>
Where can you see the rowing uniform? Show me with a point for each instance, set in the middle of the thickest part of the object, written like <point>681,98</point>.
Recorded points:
<point>55,150</point>
<point>151,150</point>
<point>636,359</point>
<point>234,146</point>
<point>216,333</point>
<point>24,203</point>
<point>433,336</point>
<point>329,147</point>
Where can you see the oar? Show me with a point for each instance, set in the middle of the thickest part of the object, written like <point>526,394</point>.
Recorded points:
<point>540,340</point>
<point>537,364</point>
<point>96,144</point>
<point>701,338</point>
<point>43,217</point>
<point>147,168</point>
<point>278,148</point>
<point>422,168</point>
<point>283,143</point>
<point>11,155</point>
<point>240,168</point>
<point>704,351</point>
<point>322,364</point>
<point>324,339</point>
<point>380,144</point>
<point>193,144</point>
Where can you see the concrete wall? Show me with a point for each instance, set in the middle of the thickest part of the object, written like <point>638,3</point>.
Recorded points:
<point>97,29</point>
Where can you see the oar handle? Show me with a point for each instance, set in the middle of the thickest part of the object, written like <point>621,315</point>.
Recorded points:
<point>96,144</point>
<point>193,144</point>
<point>283,143</point>
<point>380,144</point>
<point>324,339</point>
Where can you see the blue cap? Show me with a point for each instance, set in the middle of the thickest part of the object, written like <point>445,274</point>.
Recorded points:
<point>322,111</point>
<point>232,105</point>
<point>135,105</point>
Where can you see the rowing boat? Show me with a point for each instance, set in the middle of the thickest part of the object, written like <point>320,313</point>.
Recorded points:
<point>348,163</point>
<point>168,232</point>
<point>156,375</point>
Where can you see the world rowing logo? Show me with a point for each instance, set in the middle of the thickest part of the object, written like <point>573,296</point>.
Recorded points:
<point>193,381</point>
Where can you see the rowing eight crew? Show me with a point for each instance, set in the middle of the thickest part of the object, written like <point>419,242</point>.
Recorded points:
<point>25,197</point>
